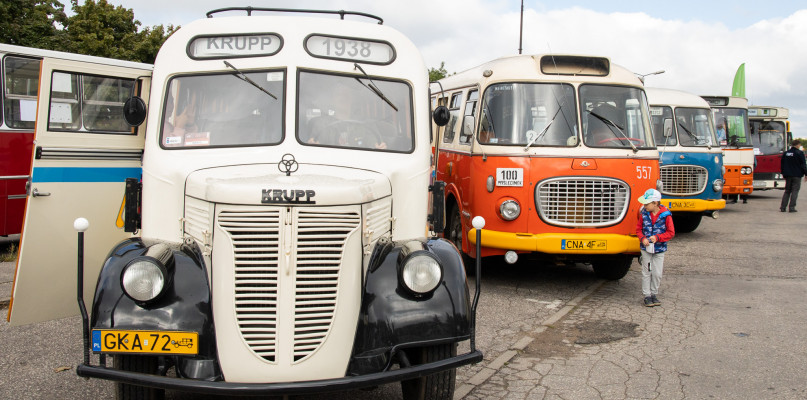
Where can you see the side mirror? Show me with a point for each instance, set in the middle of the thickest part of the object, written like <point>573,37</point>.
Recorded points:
<point>134,111</point>
<point>441,115</point>
<point>668,127</point>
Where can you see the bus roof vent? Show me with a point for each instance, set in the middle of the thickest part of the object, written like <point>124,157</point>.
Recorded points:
<point>575,65</point>
<point>249,11</point>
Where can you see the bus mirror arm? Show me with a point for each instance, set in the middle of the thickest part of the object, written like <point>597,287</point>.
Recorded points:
<point>438,215</point>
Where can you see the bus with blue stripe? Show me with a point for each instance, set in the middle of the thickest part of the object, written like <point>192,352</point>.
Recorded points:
<point>691,160</point>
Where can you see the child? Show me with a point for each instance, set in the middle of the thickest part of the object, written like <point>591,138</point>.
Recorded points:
<point>655,229</point>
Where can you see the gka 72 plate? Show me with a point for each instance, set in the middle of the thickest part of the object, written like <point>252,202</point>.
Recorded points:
<point>145,342</point>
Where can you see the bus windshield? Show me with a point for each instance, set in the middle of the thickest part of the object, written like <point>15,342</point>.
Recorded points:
<point>615,116</point>
<point>730,126</point>
<point>528,114</point>
<point>355,112</point>
<point>224,110</point>
<point>694,127</point>
<point>768,136</point>
<point>657,116</point>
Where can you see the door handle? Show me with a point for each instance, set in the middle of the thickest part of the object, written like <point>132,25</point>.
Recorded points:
<point>36,193</point>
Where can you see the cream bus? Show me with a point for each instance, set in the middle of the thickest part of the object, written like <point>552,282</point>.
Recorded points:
<point>730,116</point>
<point>281,240</point>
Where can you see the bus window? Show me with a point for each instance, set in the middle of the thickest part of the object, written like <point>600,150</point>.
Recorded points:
<point>732,122</point>
<point>342,111</point>
<point>613,117</point>
<point>694,128</point>
<point>454,111</point>
<point>769,138</point>
<point>89,103</point>
<point>526,113</point>
<point>657,117</point>
<point>19,97</point>
<point>469,120</point>
<point>223,110</point>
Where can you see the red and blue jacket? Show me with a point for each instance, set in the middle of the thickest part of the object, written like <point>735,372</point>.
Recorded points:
<point>659,224</point>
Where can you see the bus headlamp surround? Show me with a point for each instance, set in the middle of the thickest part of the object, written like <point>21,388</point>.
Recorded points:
<point>421,273</point>
<point>717,185</point>
<point>509,210</point>
<point>144,279</point>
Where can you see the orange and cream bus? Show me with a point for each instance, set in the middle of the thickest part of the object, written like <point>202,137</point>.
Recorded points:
<point>731,124</point>
<point>551,151</point>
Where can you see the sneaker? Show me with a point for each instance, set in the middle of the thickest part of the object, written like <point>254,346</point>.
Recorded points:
<point>655,301</point>
<point>793,210</point>
<point>648,302</point>
<point>782,210</point>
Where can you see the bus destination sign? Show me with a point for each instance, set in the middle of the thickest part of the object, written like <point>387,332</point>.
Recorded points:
<point>262,44</point>
<point>350,49</point>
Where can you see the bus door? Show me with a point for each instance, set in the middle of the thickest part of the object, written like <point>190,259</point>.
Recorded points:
<point>84,151</point>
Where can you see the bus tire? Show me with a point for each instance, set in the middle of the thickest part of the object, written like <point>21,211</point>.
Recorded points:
<point>438,386</point>
<point>686,222</point>
<point>141,364</point>
<point>454,234</point>
<point>612,268</point>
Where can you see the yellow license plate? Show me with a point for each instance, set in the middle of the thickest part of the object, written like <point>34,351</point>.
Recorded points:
<point>153,342</point>
<point>682,204</point>
<point>583,244</point>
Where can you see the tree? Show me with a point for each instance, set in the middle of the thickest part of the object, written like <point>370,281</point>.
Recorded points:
<point>101,29</point>
<point>438,73</point>
<point>33,23</point>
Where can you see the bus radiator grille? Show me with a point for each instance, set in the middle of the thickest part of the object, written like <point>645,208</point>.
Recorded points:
<point>683,180</point>
<point>582,201</point>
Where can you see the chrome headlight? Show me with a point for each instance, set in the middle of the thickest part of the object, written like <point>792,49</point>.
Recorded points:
<point>143,279</point>
<point>421,273</point>
<point>509,210</point>
<point>717,185</point>
<point>746,170</point>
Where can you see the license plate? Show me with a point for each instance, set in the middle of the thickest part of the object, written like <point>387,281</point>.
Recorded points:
<point>583,244</point>
<point>153,342</point>
<point>682,204</point>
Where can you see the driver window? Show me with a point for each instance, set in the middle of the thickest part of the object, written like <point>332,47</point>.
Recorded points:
<point>469,119</point>
<point>454,111</point>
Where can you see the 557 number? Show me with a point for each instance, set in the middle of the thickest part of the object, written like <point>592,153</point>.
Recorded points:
<point>644,172</point>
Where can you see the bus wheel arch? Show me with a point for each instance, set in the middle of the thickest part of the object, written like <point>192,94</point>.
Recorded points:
<point>612,268</point>
<point>686,222</point>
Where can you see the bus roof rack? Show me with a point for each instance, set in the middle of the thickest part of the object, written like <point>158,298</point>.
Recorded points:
<point>249,11</point>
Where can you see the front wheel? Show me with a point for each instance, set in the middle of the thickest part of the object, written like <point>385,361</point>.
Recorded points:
<point>686,222</point>
<point>612,268</point>
<point>438,386</point>
<point>141,364</point>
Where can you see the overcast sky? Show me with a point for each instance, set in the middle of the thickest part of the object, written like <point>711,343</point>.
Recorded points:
<point>700,44</point>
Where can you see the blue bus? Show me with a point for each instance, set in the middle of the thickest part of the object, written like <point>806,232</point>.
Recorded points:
<point>691,160</point>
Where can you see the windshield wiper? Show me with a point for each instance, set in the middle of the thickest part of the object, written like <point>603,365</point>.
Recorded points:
<point>694,136</point>
<point>608,122</point>
<point>246,79</point>
<point>373,88</point>
<point>543,132</point>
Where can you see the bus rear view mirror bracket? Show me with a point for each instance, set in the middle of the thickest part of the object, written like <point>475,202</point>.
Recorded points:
<point>441,115</point>
<point>134,111</point>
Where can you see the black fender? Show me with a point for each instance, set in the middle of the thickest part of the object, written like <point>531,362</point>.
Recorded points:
<point>391,318</point>
<point>184,306</point>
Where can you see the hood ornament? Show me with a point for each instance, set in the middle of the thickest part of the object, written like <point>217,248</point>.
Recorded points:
<point>288,164</point>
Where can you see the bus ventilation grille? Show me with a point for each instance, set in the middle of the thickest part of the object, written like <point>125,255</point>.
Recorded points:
<point>582,201</point>
<point>683,180</point>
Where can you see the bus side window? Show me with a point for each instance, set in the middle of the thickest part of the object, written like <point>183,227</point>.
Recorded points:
<point>454,110</point>
<point>19,97</point>
<point>469,120</point>
<point>88,103</point>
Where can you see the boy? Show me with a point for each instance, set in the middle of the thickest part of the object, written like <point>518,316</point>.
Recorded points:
<point>655,229</point>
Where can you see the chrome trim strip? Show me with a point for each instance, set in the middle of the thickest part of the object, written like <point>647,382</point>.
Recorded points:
<point>11,177</point>
<point>61,153</point>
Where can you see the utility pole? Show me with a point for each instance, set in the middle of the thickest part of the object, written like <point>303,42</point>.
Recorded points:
<point>521,27</point>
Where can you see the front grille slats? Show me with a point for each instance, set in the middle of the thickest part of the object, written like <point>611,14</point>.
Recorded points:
<point>582,201</point>
<point>683,180</point>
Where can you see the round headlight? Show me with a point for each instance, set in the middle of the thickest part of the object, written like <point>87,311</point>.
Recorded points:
<point>143,279</point>
<point>421,273</point>
<point>717,185</point>
<point>509,210</point>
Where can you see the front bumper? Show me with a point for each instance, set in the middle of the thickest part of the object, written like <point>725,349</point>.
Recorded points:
<point>558,243</point>
<point>694,205</point>
<point>276,389</point>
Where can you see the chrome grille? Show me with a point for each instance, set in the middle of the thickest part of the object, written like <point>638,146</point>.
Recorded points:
<point>315,238</point>
<point>582,201</point>
<point>256,243</point>
<point>321,237</point>
<point>683,180</point>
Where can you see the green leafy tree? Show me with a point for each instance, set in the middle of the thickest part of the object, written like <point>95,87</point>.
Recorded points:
<point>101,29</point>
<point>33,23</point>
<point>435,74</point>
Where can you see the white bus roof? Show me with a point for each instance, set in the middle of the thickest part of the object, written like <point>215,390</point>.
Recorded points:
<point>675,98</point>
<point>40,53</point>
<point>546,68</point>
<point>758,112</point>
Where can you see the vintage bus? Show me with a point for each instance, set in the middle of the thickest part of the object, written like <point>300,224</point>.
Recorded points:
<point>280,239</point>
<point>552,150</point>
<point>19,80</point>
<point>730,116</point>
<point>690,157</point>
<point>771,136</point>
